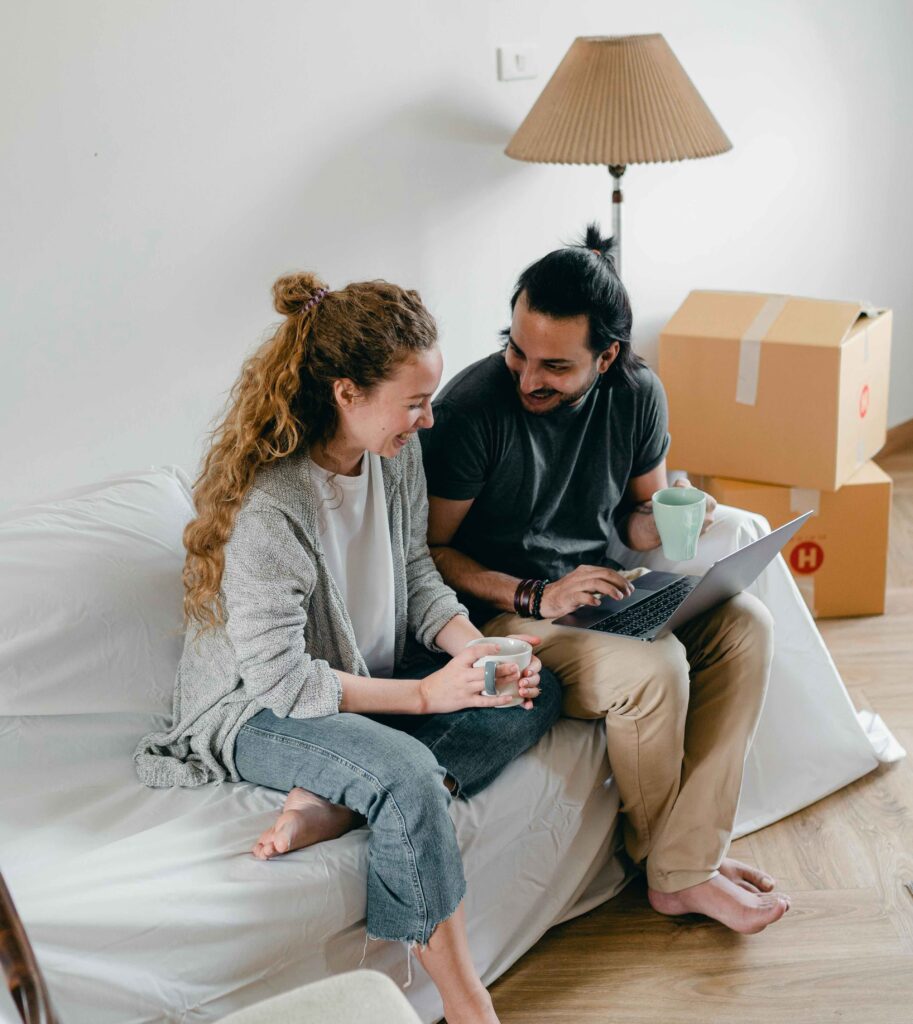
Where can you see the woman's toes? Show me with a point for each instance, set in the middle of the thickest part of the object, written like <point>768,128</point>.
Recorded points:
<point>265,847</point>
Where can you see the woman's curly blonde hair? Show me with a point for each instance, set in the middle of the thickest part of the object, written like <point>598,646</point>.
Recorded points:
<point>283,403</point>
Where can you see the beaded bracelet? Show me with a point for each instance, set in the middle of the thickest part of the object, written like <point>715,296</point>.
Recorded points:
<point>537,598</point>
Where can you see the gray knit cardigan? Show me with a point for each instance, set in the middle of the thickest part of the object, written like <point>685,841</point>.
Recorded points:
<point>286,626</point>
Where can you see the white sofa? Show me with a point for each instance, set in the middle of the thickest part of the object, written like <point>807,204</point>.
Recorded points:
<point>145,905</point>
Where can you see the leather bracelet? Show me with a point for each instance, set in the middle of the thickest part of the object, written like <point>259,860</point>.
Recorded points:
<point>528,588</point>
<point>517,594</point>
<point>528,604</point>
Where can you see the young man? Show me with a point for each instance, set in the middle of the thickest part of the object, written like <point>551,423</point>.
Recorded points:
<point>539,454</point>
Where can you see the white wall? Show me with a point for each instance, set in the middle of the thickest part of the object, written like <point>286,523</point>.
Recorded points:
<point>164,160</point>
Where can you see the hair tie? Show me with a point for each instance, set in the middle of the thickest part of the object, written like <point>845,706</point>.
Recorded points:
<point>312,302</point>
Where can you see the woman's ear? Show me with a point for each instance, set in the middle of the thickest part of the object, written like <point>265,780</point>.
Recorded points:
<point>345,392</point>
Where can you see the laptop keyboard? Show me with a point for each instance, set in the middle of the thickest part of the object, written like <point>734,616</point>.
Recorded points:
<point>646,616</point>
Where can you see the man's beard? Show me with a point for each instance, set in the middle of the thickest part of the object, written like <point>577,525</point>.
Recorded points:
<point>566,399</point>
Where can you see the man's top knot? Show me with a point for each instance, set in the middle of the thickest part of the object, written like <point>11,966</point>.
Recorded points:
<point>604,247</point>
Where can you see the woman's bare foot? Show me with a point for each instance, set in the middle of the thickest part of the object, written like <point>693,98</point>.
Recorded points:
<point>725,901</point>
<point>749,878</point>
<point>475,1009</point>
<point>305,819</point>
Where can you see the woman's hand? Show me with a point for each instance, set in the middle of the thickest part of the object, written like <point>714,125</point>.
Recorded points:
<point>529,677</point>
<point>458,685</point>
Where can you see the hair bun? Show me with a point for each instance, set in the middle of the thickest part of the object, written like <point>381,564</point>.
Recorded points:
<point>594,241</point>
<point>294,291</point>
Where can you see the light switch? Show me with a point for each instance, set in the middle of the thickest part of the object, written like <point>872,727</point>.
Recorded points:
<point>521,61</point>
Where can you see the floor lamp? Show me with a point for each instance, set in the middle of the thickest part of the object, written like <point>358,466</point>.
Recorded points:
<point>618,100</point>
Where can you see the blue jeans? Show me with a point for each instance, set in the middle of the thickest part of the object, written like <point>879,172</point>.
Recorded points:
<point>391,770</point>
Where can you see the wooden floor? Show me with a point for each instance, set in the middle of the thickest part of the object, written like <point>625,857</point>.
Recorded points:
<point>844,952</point>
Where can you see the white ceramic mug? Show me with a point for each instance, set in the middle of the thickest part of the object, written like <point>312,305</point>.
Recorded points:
<point>519,652</point>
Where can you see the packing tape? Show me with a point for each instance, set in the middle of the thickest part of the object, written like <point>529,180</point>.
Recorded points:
<point>746,390</point>
<point>860,451</point>
<point>801,499</point>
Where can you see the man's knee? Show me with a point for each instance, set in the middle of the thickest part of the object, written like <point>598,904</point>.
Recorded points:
<point>634,679</point>
<point>664,676</point>
<point>749,621</point>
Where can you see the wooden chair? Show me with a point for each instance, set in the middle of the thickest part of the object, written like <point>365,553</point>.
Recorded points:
<point>23,976</point>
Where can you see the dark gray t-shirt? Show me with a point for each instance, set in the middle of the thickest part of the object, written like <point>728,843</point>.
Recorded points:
<point>547,489</point>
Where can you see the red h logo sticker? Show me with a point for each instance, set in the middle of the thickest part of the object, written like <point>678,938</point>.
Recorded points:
<point>806,557</point>
<point>864,397</point>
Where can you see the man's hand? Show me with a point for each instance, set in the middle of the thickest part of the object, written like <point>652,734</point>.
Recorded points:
<point>642,532</point>
<point>711,503</point>
<point>587,584</point>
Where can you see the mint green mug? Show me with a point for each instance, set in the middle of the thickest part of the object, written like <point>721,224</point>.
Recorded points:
<point>679,514</point>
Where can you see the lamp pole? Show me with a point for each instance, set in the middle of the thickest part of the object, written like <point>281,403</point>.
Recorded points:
<point>617,170</point>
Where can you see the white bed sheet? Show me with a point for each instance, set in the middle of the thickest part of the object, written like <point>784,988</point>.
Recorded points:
<point>145,905</point>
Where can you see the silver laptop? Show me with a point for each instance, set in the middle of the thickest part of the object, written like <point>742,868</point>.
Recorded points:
<point>663,601</point>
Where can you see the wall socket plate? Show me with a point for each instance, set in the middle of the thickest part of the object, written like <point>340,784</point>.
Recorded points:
<point>519,61</point>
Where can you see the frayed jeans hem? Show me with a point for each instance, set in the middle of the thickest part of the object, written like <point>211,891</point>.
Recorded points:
<point>411,940</point>
<point>410,943</point>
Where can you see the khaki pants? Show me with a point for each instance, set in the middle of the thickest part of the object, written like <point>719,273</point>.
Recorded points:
<point>680,714</point>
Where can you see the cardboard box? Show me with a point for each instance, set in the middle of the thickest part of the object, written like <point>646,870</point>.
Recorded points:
<point>775,389</point>
<point>839,557</point>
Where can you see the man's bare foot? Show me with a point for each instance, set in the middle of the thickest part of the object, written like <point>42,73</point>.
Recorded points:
<point>749,878</point>
<point>305,819</point>
<point>724,901</point>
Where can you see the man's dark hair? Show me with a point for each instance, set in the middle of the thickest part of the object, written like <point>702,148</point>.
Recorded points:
<point>581,280</point>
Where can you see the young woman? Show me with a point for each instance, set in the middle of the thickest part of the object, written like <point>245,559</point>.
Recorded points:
<point>307,577</point>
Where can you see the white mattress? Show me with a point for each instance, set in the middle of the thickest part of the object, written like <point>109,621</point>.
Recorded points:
<point>146,905</point>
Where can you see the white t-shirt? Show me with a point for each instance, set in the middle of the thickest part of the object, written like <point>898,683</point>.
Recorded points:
<point>355,535</point>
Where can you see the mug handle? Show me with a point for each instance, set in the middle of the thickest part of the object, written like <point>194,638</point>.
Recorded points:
<point>491,667</point>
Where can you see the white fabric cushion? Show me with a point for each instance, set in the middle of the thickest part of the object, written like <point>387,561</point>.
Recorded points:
<point>90,597</point>
<point>356,997</point>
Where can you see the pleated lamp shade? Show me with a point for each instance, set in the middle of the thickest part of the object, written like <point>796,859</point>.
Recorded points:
<point>618,100</point>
